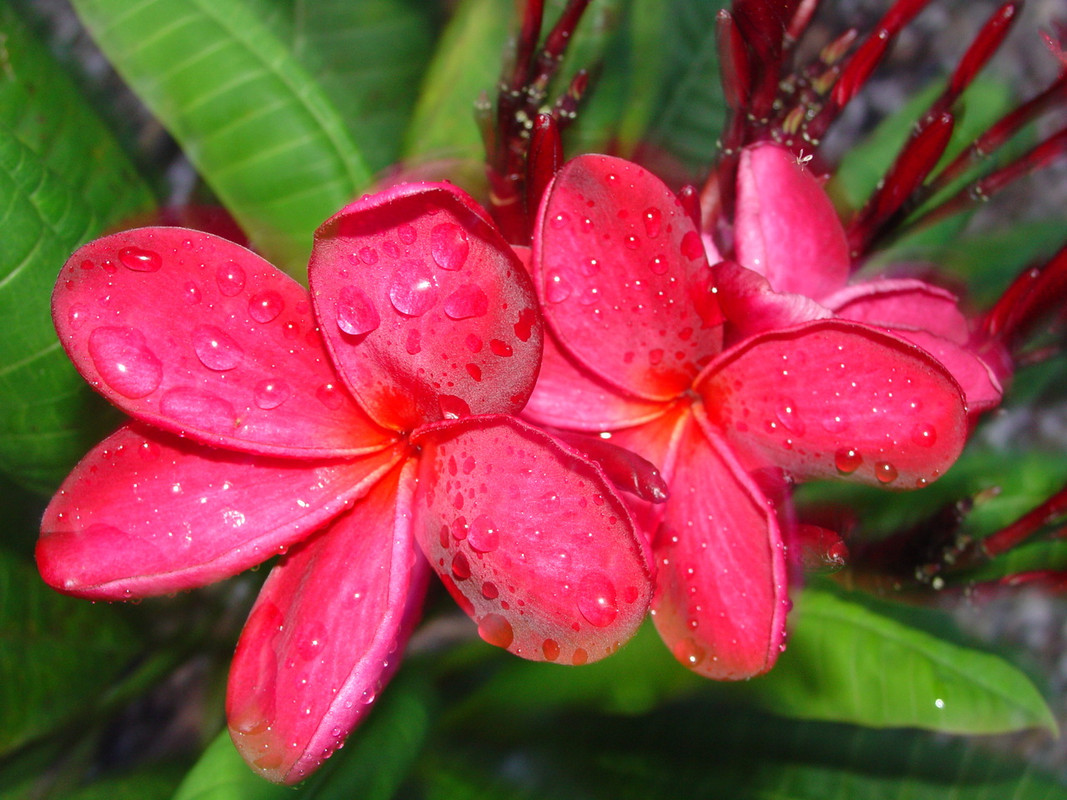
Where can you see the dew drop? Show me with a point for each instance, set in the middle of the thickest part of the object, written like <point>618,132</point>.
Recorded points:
<point>924,435</point>
<point>453,407</point>
<point>461,568</point>
<point>658,265</point>
<point>467,301</point>
<point>231,279</point>
<point>368,255</point>
<point>215,349</point>
<point>847,460</point>
<point>885,472</point>
<point>266,306</point>
<point>790,419</point>
<point>413,342</point>
<point>356,314</point>
<point>688,652</point>
<point>653,219</point>
<point>631,243</point>
<point>490,591</point>
<point>559,220</point>
<point>330,396</point>
<point>474,371</point>
<point>407,234</point>
<point>77,315</point>
<point>558,288</point>
<point>589,267</point>
<point>499,348</point>
<point>191,293</point>
<point>496,630</point>
<point>140,260</point>
<point>524,327</point>
<point>579,657</point>
<point>483,536</point>
<point>199,410</point>
<point>449,246</point>
<point>124,361</point>
<point>270,394</point>
<point>550,648</point>
<point>412,291</point>
<point>596,599</point>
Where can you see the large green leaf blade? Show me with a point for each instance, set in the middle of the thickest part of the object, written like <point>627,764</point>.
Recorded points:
<point>57,654</point>
<point>253,121</point>
<point>848,660</point>
<point>48,414</point>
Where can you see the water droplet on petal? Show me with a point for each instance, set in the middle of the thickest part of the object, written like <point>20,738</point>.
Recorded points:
<point>123,359</point>
<point>453,407</point>
<point>885,472</point>
<point>199,410</point>
<point>490,591</point>
<point>924,435</point>
<point>596,599</point>
<point>231,279</point>
<point>653,219</point>
<point>692,247</point>
<point>483,536</point>
<point>467,301</point>
<point>356,314</point>
<point>215,349</point>
<point>790,419</point>
<point>330,396</point>
<point>496,630</point>
<point>579,657</point>
<point>412,291</point>
<point>688,652</point>
<point>413,342</point>
<point>266,306</point>
<point>77,315</point>
<point>368,255</point>
<point>550,648</point>
<point>461,568</point>
<point>499,348</point>
<point>449,247</point>
<point>191,293</point>
<point>270,394</point>
<point>140,260</point>
<point>558,288</point>
<point>407,234</point>
<point>847,460</point>
<point>559,221</point>
<point>658,265</point>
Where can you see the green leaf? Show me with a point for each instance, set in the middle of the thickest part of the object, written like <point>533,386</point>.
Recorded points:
<point>464,66</point>
<point>253,121</point>
<point>57,654</point>
<point>373,763</point>
<point>48,114</point>
<point>849,660</point>
<point>48,415</point>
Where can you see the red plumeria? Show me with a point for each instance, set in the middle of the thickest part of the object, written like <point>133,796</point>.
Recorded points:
<point>346,430</point>
<point>635,352</point>
<point>793,264</point>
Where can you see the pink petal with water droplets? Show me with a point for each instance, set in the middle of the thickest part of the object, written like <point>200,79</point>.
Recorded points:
<point>568,396</point>
<point>785,226</point>
<point>325,635</point>
<point>622,276</point>
<point>979,383</point>
<point>721,591</point>
<point>902,303</point>
<point>202,337</point>
<point>835,398</point>
<point>428,313</point>
<point>752,307</point>
<point>530,539</point>
<point>148,513</point>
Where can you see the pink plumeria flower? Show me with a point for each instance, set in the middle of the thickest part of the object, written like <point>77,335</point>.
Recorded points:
<point>634,353</point>
<point>349,431</point>
<point>791,263</point>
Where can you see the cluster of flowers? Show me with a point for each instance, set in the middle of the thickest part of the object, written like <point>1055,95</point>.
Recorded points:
<point>575,427</point>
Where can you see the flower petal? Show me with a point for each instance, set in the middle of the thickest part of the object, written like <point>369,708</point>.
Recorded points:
<point>752,307</point>
<point>979,383</point>
<point>835,398</point>
<point>785,227</point>
<point>902,303</point>
<point>530,539</point>
<point>202,337</point>
<point>721,591</point>
<point>624,283</point>
<point>148,513</point>
<point>325,635</point>
<point>567,396</point>
<point>427,312</point>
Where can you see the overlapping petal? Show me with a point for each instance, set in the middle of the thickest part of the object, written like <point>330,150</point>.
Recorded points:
<point>326,633</point>
<point>530,540</point>
<point>721,592</point>
<point>833,398</point>
<point>426,310</point>
<point>148,513</point>
<point>785,227</point>
<point>200,336</point>
<point>620,269</point>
